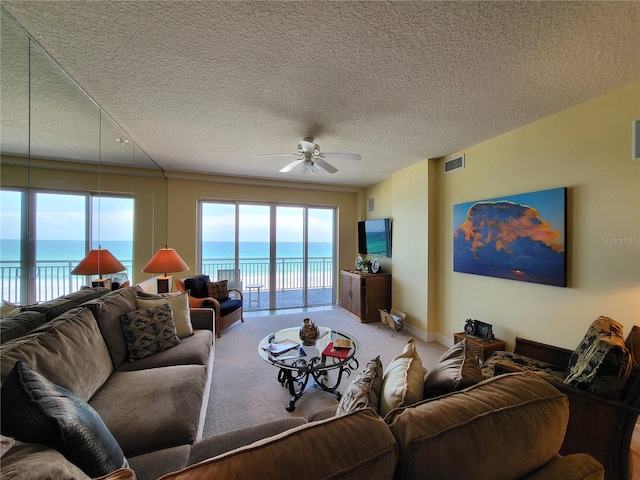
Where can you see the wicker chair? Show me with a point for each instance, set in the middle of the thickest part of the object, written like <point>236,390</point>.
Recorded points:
<point>227,312</point>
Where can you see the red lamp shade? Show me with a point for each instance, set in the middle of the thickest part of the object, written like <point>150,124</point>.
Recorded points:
<point>165,260</point>
<point>98,261</point>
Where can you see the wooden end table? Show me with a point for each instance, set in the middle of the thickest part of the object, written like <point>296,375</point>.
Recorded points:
<point>482,348</point>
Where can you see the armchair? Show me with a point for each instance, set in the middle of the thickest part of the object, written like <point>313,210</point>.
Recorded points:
<point>227,312</point>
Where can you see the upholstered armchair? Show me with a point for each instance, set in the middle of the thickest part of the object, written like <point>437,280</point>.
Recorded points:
<point>206,294</point>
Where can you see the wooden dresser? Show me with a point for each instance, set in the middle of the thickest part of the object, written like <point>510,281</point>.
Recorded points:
<point>363,294</point>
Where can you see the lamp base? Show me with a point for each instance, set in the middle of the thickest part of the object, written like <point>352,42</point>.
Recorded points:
<point>164,284</point>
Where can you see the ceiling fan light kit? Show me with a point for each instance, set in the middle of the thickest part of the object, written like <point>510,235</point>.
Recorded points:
<point>309,158</point>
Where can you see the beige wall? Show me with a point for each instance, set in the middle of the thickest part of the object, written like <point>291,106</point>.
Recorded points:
<point>588,150</point>
<point>185,192</point>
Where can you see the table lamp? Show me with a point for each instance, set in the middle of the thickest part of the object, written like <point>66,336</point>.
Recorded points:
<point>98,261</point>
<point>165,260</point>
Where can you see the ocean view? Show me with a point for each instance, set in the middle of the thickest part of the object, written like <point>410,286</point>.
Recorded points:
<point>52,250</point>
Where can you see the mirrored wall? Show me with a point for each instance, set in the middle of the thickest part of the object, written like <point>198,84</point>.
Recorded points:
<point>71,179</point>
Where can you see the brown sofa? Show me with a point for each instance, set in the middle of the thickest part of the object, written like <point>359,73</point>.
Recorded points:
<point>510,427</point>
<point>154,407</point>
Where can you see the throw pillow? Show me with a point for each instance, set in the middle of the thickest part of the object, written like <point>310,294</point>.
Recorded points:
<point>403,380</point>
<point>456,369</point>
<point>9,309</point>
<point>218,290</point>
<point>149,331</point>
<point>179,305</point>
<point>364,390</point>
<point>37,410</point>
<point>197,285</point>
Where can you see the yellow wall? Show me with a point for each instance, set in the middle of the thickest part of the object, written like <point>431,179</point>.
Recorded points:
<point>185,191</point>
<point>588,150</point>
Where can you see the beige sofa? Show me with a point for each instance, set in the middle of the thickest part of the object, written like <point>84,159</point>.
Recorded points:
<point>154,407</point>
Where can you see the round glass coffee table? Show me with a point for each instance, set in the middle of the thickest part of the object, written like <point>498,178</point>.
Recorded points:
<point>301,362</point>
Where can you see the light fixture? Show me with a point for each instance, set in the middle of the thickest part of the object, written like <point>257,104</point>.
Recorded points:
<point>98,261</point>
<point>165,260</point>
<point>309,166</point>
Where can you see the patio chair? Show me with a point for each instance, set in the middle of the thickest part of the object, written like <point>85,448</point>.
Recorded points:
<point>230,274</point>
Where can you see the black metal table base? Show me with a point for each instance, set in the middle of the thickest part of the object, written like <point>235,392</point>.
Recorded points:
<point>297,380</point>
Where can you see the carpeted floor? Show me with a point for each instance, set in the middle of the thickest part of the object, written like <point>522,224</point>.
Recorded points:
<point>245,390</point>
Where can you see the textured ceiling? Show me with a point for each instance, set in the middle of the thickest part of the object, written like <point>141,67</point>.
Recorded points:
<point>205,86</point>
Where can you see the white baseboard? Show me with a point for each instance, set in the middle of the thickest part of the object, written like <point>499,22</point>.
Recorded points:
<point>429,337</point>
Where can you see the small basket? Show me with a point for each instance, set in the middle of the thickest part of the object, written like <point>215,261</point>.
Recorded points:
<point>393,319</point>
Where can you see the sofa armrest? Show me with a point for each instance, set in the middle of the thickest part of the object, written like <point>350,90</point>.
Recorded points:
<point>323,414</point>
<point>543,352</point>
<point>227,441</point>
<point>202,318</point>
<point>579,466</point>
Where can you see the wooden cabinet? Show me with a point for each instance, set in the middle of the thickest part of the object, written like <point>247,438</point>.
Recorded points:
<point>363,294</point>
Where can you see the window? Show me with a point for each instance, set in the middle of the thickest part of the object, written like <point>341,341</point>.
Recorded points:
<point>38,269</point>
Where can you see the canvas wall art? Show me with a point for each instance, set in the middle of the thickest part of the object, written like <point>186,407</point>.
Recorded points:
<point>518,237</point>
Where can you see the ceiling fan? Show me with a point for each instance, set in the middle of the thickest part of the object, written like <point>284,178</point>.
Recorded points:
<point>309,158</point>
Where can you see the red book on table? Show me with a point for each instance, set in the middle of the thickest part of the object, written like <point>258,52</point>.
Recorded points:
<point>329,351</point>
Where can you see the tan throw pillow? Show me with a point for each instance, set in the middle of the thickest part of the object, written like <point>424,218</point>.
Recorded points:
<point>456,369</point>
<point>364,390</point>
<point>218,290</point>
<point>179,304</point>
<point>149,331</point>
<point>403,380</point>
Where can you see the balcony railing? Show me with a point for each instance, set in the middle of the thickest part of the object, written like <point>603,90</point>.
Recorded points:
<point>53,278</point>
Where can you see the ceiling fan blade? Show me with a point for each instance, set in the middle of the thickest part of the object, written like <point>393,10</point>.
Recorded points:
<point>281,155</point>
<point>327,166</point>
<point>342,156</point>
<point>291,166</point>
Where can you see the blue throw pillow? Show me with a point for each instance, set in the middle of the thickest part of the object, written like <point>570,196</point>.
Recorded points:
<point>36,410</point>
<point>198,286</point>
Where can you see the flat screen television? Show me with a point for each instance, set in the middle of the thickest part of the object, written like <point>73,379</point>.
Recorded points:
<point>374,237</point>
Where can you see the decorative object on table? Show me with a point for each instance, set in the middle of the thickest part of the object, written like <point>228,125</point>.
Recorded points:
<point>518,237</point>
<point>393,319</point>
<point>165,260</point>
<point>363,265</point>
<point>309,332</point>
<point>478,329</point>
<point>375,266</point>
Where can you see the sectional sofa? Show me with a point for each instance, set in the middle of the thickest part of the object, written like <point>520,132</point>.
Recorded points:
<point>143,419</point>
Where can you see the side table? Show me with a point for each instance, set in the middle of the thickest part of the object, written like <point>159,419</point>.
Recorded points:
<point>482,348</point>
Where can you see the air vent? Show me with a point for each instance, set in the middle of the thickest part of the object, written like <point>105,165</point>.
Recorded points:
<point>454,164</point>
<point>636,140</point>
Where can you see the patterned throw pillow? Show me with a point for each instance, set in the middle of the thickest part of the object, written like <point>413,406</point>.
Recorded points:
<point>149,331</point>
<point>36,410</point>
<point>219,290</point>
<point>179,302</point>
<point>364,390</point>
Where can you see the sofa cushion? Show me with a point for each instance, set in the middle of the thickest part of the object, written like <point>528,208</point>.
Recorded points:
<point>52,308</point>
<point>152,465</point>
<point>148,331</point>
<point>107,311</point>
<point>193,350</point>
<point>229,305</point>
<point>197,285</point>
<point>332,448</point>
<point>218,290</point>
<point>20,324</point>
<point>517,413</point>
<point>456,369</point>
<point>33,461</point>
<point>87,293</point>
<point>364,391</point>
<point>37,410</point>
<point>403,380</point>
<point>601,363</point>
<point>179,302</point>
<point>162,407</point>
<point>69,351</point>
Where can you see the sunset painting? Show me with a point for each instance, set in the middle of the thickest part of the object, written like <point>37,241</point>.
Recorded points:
<point>520,237</point>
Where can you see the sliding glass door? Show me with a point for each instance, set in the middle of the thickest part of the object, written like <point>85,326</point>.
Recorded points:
<point>282,255</point>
